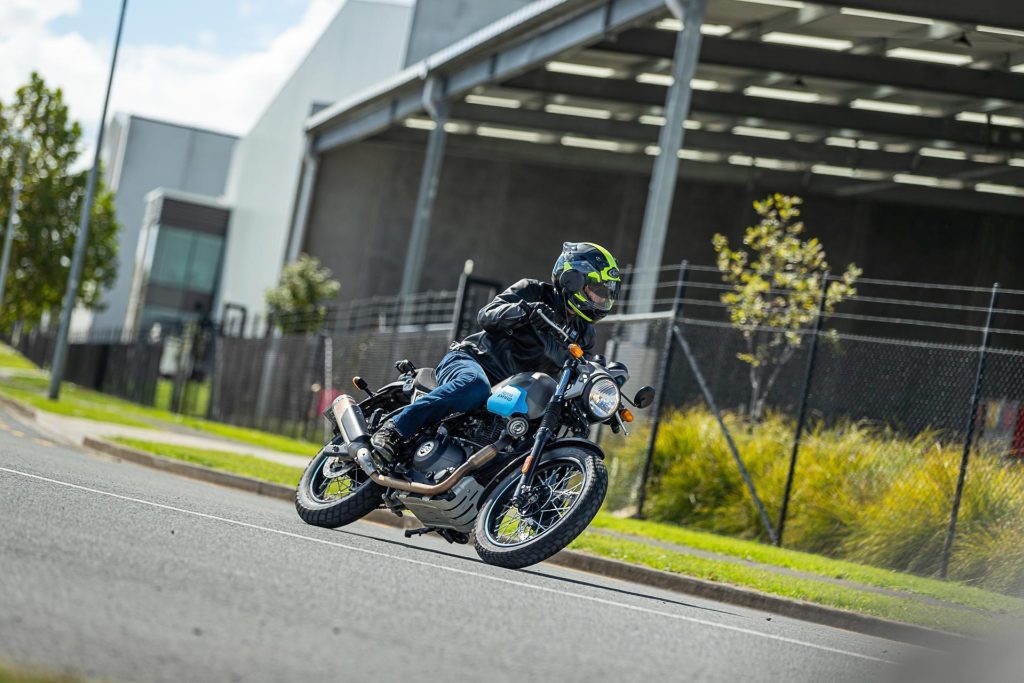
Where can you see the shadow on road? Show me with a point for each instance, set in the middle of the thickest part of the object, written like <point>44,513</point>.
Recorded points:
<point>532,572</point>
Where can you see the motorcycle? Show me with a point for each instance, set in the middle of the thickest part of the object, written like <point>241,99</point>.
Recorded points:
<point>521,473</point>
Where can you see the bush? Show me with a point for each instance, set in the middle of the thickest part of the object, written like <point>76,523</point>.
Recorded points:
<point>861,493</point>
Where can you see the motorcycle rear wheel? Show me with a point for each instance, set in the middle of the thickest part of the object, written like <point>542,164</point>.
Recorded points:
<point>573,484</point>
<point>322,499</point>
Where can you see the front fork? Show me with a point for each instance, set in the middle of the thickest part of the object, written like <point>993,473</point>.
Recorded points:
<point>548,427</point>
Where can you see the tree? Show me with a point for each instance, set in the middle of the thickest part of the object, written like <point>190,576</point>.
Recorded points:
<point>775,290</point>
<point>50,208</point>
<point>297,303</point>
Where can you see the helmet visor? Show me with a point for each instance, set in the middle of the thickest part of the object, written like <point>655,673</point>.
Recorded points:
<point>601,295</point>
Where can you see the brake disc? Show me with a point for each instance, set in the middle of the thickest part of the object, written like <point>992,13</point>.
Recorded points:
<point>335,467</point>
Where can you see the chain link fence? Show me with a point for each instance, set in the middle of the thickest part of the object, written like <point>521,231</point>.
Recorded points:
<point>910,409</point>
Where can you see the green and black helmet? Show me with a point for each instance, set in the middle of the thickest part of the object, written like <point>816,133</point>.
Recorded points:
<point>601,279</point>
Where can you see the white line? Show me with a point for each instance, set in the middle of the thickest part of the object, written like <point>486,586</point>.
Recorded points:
<point>454,570</point>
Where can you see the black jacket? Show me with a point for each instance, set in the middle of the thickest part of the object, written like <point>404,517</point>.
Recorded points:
<point>509,344</point>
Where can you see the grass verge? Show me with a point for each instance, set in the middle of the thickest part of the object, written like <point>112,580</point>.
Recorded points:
<point>10,675</point>
<point>245,465</point>
<point>93,405</point>
<point>947,591</point>
<point>831,595</point>
<point>11,359</point>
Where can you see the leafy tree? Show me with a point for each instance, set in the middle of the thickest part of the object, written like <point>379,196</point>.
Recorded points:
<point>50,208</point>
<point>298,302</point>
<point>776,284</point>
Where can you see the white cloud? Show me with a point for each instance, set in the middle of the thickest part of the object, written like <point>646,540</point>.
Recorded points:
<point>184,84</point>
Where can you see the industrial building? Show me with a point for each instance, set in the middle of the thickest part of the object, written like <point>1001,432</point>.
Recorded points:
<point>650,125</point>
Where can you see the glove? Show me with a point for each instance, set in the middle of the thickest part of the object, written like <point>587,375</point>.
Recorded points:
<point>536,310</point>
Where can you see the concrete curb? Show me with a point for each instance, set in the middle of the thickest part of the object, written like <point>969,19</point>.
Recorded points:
<point>18,407</point>
<point>593,564</point>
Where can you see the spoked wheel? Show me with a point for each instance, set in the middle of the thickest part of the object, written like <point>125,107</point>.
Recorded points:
<point>568,489</point>
<point>334,493</point>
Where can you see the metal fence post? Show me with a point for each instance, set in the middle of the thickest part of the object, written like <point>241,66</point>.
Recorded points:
<point>812,355</point>
<point>659,396</point>
<point>979,377</point>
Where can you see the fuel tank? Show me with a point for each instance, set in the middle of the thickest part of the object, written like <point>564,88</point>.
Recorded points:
<point>526,394</point>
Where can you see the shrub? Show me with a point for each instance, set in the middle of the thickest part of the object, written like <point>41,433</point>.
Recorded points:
<point>861,493</point>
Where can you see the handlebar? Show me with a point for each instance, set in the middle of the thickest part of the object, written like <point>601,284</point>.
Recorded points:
<point>553,325</point>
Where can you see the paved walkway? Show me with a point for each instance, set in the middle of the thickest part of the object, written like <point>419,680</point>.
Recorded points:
<point>75,430</point>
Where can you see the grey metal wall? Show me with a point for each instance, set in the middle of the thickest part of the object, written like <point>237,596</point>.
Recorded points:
<point>511,217</point>
<point>437,24</point>
<point>145,155</point>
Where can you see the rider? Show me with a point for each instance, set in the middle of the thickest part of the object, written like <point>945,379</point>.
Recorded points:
<point>514,339</point>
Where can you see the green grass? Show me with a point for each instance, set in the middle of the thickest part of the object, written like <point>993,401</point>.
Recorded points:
<point>197,397</point>
<point>753,551</point>
<point>93,405</point>
<point>11,359</point>
<point>832,595</point>
<point>245,465</point>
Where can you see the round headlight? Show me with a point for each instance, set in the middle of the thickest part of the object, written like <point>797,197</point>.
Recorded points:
<point>603,398</point>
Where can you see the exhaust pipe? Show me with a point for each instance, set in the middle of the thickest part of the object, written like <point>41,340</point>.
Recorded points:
<point>352,425</point>
<point>475,462</point>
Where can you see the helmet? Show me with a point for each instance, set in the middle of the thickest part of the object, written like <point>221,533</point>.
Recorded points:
<point>601,279</point>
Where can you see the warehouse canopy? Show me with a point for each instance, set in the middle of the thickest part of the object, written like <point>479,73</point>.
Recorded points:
<point>863,97</point>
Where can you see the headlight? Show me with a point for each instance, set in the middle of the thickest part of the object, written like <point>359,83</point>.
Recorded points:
<point>603,399</point>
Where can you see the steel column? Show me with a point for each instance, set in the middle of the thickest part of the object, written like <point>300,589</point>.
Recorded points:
<point>416,252</point>
<point>972,419</point>
<point>666,166</point>
<point>82,240</point>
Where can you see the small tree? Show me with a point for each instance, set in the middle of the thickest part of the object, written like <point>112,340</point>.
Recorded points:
<point>775,290</point>
<point>37,121</point>
<point>298,302</point>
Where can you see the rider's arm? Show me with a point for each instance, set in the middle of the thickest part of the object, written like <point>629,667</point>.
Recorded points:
<point>508,310</point>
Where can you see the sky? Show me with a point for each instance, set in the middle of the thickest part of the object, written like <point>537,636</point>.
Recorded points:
<point>208,63</point>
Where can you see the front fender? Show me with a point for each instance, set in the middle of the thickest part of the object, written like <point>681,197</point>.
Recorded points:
<point>578,443</point>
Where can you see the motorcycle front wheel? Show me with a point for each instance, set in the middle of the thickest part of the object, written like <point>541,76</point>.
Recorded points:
<point>568,490</point>
<point>333,493</point>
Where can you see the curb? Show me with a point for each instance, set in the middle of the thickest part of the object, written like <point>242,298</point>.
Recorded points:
<point>593,564</point>
<point>18,407</point>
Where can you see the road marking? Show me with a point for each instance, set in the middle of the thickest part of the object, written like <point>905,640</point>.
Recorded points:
<point>455,570</point>
<point>42,442</point>
<point>15,432</point>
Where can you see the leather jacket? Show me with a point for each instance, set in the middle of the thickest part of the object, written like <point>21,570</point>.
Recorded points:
<point>510,344</point>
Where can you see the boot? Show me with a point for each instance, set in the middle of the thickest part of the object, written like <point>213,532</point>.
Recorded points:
<point>387,441</point>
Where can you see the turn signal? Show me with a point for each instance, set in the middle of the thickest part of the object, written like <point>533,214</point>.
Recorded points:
<point>626,414</point>
<point>526,465</point>
<point>575,351</point>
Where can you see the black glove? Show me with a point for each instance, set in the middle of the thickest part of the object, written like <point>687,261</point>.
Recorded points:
<point>536,310</point>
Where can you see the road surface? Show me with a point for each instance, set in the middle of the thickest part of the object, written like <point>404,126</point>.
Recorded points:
<point>119,572</point>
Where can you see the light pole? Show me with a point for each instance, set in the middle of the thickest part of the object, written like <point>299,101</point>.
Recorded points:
<point>60,351</point>
<point>12,212</point>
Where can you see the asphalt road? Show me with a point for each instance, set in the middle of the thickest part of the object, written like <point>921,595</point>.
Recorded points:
<point>115,571</point>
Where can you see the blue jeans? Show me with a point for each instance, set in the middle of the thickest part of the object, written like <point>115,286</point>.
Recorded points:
<point>461,386</point>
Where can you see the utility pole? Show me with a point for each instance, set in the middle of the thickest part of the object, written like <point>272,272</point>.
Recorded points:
<point>12,213</point>
<point>60,351</point>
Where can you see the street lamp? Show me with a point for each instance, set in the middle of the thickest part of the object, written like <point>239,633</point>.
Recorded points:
<point>60,351</point>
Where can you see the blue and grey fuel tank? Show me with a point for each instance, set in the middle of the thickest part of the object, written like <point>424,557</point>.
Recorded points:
<point>526,394</point>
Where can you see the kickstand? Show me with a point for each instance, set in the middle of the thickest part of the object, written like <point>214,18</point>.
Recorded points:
<point>409,533</point>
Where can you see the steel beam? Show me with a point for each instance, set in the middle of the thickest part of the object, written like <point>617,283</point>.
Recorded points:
<point>826,116</point>
<point>430,178</point>
<point>1003,13</point>
<point>786,21</point>
<point>662,190</point>
<point>810,153</point>
<point>843,66</point>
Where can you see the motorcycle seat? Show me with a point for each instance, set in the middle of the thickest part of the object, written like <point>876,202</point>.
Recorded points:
<point>425,380</point>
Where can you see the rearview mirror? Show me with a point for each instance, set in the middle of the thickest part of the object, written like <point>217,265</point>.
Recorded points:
<point>571,281</point>
<point>644,397</point>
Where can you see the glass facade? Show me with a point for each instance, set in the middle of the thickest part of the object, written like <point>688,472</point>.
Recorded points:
<point>186,260</point>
